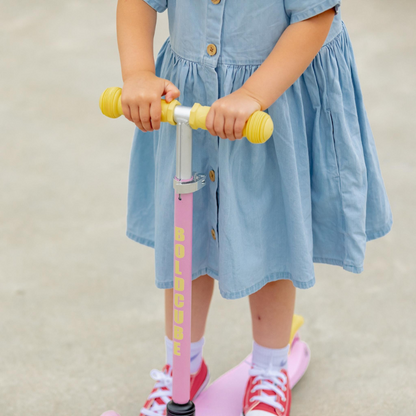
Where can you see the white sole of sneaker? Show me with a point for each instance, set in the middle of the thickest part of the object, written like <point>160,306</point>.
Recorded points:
<point>204,384</point>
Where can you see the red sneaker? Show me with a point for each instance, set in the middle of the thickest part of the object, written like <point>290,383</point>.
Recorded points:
<point>267,393</point>
<point>161,394</point>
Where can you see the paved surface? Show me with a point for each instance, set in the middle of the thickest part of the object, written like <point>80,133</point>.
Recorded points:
<point>80,318</point>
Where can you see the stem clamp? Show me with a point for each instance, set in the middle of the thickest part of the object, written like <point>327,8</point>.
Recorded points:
<point>198,182</point>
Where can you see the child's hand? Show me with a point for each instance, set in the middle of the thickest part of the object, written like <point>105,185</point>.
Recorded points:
<point>141,96</point>
<point>228,115</point>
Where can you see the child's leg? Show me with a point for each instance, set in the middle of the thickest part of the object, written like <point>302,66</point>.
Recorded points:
<point>267,390</point>
<point>272,309</point>
<point>202,289</point>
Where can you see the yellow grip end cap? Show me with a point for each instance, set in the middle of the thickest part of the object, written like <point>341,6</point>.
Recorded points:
<point>110,102</point>
<point>259,127</point>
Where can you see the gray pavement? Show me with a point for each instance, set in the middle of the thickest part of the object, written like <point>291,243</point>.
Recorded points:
<point>80,318</point>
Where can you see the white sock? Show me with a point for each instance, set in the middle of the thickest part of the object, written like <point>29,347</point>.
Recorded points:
<point>269,357</point>
<point>196,353</point>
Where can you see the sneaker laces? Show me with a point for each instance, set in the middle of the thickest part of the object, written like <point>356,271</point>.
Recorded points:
<point>271,380</point>
<point>163,392</point>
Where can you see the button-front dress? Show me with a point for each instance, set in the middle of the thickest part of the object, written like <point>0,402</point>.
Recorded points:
<point>312,193</point>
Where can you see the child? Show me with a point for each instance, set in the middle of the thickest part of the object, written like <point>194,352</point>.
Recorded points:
<point>312,193</point>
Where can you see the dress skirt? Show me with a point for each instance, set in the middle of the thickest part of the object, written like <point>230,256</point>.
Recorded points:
<point>312,193</point>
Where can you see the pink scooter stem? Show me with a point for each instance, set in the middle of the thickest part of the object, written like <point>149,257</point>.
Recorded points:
<point>182,297</point>
<point>185,183</point>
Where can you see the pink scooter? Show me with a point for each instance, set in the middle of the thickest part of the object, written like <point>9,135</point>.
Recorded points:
<point>215,400</point>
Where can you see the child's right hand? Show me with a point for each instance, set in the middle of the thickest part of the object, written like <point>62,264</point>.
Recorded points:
<point>141,99</point>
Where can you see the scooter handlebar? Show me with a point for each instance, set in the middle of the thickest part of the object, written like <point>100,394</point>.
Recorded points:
<point>258,129</point>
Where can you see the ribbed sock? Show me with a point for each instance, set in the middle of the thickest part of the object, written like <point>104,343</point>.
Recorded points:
<point>196,353</point>
<point>269,357</point>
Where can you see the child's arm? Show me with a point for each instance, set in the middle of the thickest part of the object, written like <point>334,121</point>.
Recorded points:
<point>295,50</point>
<point>142,90</point>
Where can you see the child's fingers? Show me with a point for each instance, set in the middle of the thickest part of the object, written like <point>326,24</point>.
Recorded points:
<point>229,128</point>
<point>126,108</point>
<point>209,121</point>
<point>144,111</point>
<point>170,92</point>
<point>135,117</point>
<point>219,125</point>
<point>239,124</point>
<point>155,114</point>
<point>127,112</point>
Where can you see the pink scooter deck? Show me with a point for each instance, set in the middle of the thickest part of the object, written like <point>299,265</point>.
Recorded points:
<point>224,397</point>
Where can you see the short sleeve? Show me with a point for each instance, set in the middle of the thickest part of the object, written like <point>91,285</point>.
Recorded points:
<point>299,10</point>
<point>159,5</point>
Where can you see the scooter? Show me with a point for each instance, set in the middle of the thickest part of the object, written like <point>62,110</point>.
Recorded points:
<point>214,400</point>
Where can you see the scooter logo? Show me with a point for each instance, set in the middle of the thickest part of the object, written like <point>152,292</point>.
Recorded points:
<point>179,283</point>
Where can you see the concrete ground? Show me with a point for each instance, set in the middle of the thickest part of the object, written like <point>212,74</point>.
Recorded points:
<point>81,321</point>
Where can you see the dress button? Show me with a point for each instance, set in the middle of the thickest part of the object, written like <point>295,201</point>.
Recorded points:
<point>211,49</point>
<point>216,1</point>
<point>212,175</point>
<point>213,234</point>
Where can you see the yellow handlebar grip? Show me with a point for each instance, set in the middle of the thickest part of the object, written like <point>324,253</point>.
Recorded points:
<point>167,111</point>
<point>110,102</point>
<point>258,129</point>
<point>198,116</point>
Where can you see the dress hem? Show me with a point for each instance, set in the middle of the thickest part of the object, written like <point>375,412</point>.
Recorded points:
<point>381,232</point>
<point>272,277</point>
<point>371,235</point>
<point>140,240</point>
<point>315,10</point>
<point>246,292</point>
<point>335,262</point>
<point>156,6</point>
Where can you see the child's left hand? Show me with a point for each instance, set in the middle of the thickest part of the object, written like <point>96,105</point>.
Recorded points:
<point>228,115</point>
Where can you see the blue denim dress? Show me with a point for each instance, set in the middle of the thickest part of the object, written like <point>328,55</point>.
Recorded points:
<point>312,193</point>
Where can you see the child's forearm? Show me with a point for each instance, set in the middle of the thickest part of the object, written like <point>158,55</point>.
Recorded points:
<point>293,53</point>
<point>142,89</point>
<point>136,22</point>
